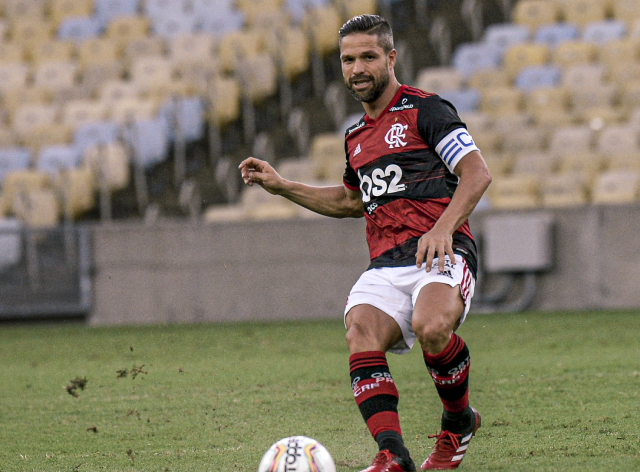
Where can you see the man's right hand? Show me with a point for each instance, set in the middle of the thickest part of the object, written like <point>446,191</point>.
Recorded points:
<point>260,172</point>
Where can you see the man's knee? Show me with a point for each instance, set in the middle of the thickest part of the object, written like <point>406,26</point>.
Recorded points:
<point>436,317</point>
<point>369,329</point>
<point>434,333</point>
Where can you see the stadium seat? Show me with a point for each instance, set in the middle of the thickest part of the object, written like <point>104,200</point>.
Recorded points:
<point>534,13</point>
<point>439,79</point>
<point>581,77</point>
<point>571,139</point>
<point>534,162</point>
<point>472,57</point>
<point>129,110</point>
<point>28,117</point>
<point>258,76</point>
<point>50,50</point>
<point>223,98</point>
<point>8,139</point>
<point>10,240</point>
<point>499,164</point>
<point>19,9</point>
<point>110,163</point>
<point>623,139</point>
<point>54,76</point>
<point>150,46</point>
<point>627,11</point>
<point>505,35</point>
<point>123,29</point>
<point>524,55</point>
<point>464,100</point>
<point>621,53</point>
<point>13,76</point>
<point>77,187</point>
<point>149,71</point>
<point>46,135</point>
<point>254,9</point>
<point>583,12</point>
<point>98,51</point>
<point>54,158</point>
<point>91,134</point>
<point>489,141</point>
<point>192,48</point>
<point>13,159</point>
<point>587,165</point>
<point>351,8</point>
<point>321,24</point>
<point>527,139</point>
<point>218,21</point>
<point>327,154</point>
<point>149,141</point>
<point>164,8</point>
<point>114,90</point>
<point>602,32</point>
<point>12,53</point>
<point>622,161</point>
<point>489,78</point>
<point>63,9</point>
<point>174,25</point>
<point>563,190</point>
<point>549,106</point>
<point>79,28</point>
<point>572,53</point>
<point>584,100</point>
<point>22,180</point>
<point>237,45</point>
<point>37,208</point>
<point>501,101</point>
<point>186,116</point>
<point>616,187</point>
<point>298,170</point>
<point>291,49</point>
<point>555,34</point>
<point>630,95</point>
<point>533,77</point>
<point>515,192</point>
<point>79,112</point>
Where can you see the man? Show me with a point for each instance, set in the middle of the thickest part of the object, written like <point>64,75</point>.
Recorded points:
<point>415,174</point>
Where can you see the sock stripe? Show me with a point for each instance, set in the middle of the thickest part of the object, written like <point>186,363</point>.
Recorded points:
<point>384,421</point>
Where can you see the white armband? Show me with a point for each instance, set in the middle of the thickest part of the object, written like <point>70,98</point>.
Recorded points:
<point>455,146</point>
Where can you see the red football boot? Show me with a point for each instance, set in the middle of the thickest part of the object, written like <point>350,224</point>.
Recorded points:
<point>386,461</point>
<point>450,448</point>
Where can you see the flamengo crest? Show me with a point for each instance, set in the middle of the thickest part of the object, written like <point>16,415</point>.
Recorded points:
<point>395,135</point>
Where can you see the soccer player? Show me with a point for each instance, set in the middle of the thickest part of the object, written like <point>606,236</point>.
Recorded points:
<point>415,174</point>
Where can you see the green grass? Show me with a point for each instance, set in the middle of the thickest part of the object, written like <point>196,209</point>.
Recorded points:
<point>556,391</point>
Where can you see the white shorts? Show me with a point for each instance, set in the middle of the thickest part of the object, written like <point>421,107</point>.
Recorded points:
<point>395,290</point>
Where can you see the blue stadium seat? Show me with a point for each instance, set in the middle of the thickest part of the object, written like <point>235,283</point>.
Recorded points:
<point>533,77</point>
<point>504,35</point>
<point>465,101</point>
<point>187,114</point>
<point>155,9</point>
<point>79,28</point>
<point>100,132</point>
<point>601,32</point>
<point>173,25</point>
<point>298,8</point>
<point>58,157</point>
<point>471,57</point>
<point>554,34</point>
<point>219,22</point>
<point>105,10</point>
<point>11,159</point>
<point>149,140</point>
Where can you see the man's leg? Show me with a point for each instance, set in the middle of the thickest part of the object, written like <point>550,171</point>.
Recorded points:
<point>370,334</point>
<point>436,315</point>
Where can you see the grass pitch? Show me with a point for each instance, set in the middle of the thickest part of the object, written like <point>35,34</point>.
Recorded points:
<point>557,392</point>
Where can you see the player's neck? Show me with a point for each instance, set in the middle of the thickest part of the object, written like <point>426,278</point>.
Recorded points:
<point>375,109</point>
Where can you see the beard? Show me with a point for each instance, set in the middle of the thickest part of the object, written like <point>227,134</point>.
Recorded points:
<point>372,94</point>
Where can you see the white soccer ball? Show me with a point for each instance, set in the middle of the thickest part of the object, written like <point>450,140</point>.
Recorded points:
<point>297,454</point>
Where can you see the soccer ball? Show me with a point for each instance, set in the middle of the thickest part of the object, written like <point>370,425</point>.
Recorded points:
<point>297,454</point>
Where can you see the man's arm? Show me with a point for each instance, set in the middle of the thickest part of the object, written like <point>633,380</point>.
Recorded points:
<point>336,201</point>
<point>474,180</point>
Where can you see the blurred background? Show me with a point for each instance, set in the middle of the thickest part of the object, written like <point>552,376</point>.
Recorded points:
<point>122,123</point>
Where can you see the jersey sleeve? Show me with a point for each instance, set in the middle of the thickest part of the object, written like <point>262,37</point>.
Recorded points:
<point>350,178</point>
<point>444,131</point>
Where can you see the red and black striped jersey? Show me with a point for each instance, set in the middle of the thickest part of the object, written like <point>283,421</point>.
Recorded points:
<point>403,164</point>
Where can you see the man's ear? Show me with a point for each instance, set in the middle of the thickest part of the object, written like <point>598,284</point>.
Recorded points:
<point>391,58</point>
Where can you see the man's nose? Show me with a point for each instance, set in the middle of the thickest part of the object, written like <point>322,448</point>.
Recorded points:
<point>358,67</point>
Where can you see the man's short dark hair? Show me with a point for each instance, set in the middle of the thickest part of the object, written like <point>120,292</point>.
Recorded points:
<point>370,24</point>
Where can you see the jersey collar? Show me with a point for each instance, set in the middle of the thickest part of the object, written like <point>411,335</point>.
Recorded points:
<point>396,97</point>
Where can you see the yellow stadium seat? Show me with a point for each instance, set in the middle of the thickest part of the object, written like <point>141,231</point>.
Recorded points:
<point>626,10</point>
<point>45,135</point>
<point>351,8</point>
<point>488,141</point>
<point>63,9</point>
<point>477,121</point>
<point>28,117</point>
<point>124,29</point>
<point>12,52</point>
<point>149,46</point>
<point>328,156</point>
<point>13,76</point>
<point>236,46</point>
<point>29,30</point>
<point>20,9</point>
<point>538,163</point>
<point>258,75</point>
<point>563,190</point>
<point>523,55</point>
<point>571,139</point>
<point>127,110</point>
<point>21,96</point>
<point>547,100</point>
<point>79,112</point>
<point>630,95</point>
<point>616,187</point>
<point>591,97</point>
<point>50,50</point>
<point>584,76</point>
<point>37,208</point>
<point>77,187</point>
<point>622,161</point>
<point>149,71</point>
<point>585,164</point>
<point>499,164</point>
<point>114,90</point>
<point>490,78</point>
<point>571,53</point>
<point>535,13</point>
<point>94,75</point>
<point>439,79</point>
<point>501,101</point>
<point>192,48</point>
<point>620,51</point>
<point>622,139</point>
<point>290,48</point>
<point>255,8</point>
<point>322,25</point>
<point>110,164</point>
<point>622,73</point>
<point>55,75</point>
<point>20,181</point>
<point>529,139</point>
<point>515,192</point>
<point>98,51</point>
<point>224,101</point>
<point>582,12</point>
<point>7,137</point>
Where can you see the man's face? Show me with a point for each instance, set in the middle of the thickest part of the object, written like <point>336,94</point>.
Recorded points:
<point>365,66</point>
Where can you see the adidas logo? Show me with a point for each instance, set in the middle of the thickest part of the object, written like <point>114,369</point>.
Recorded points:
<point>357,151</point>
